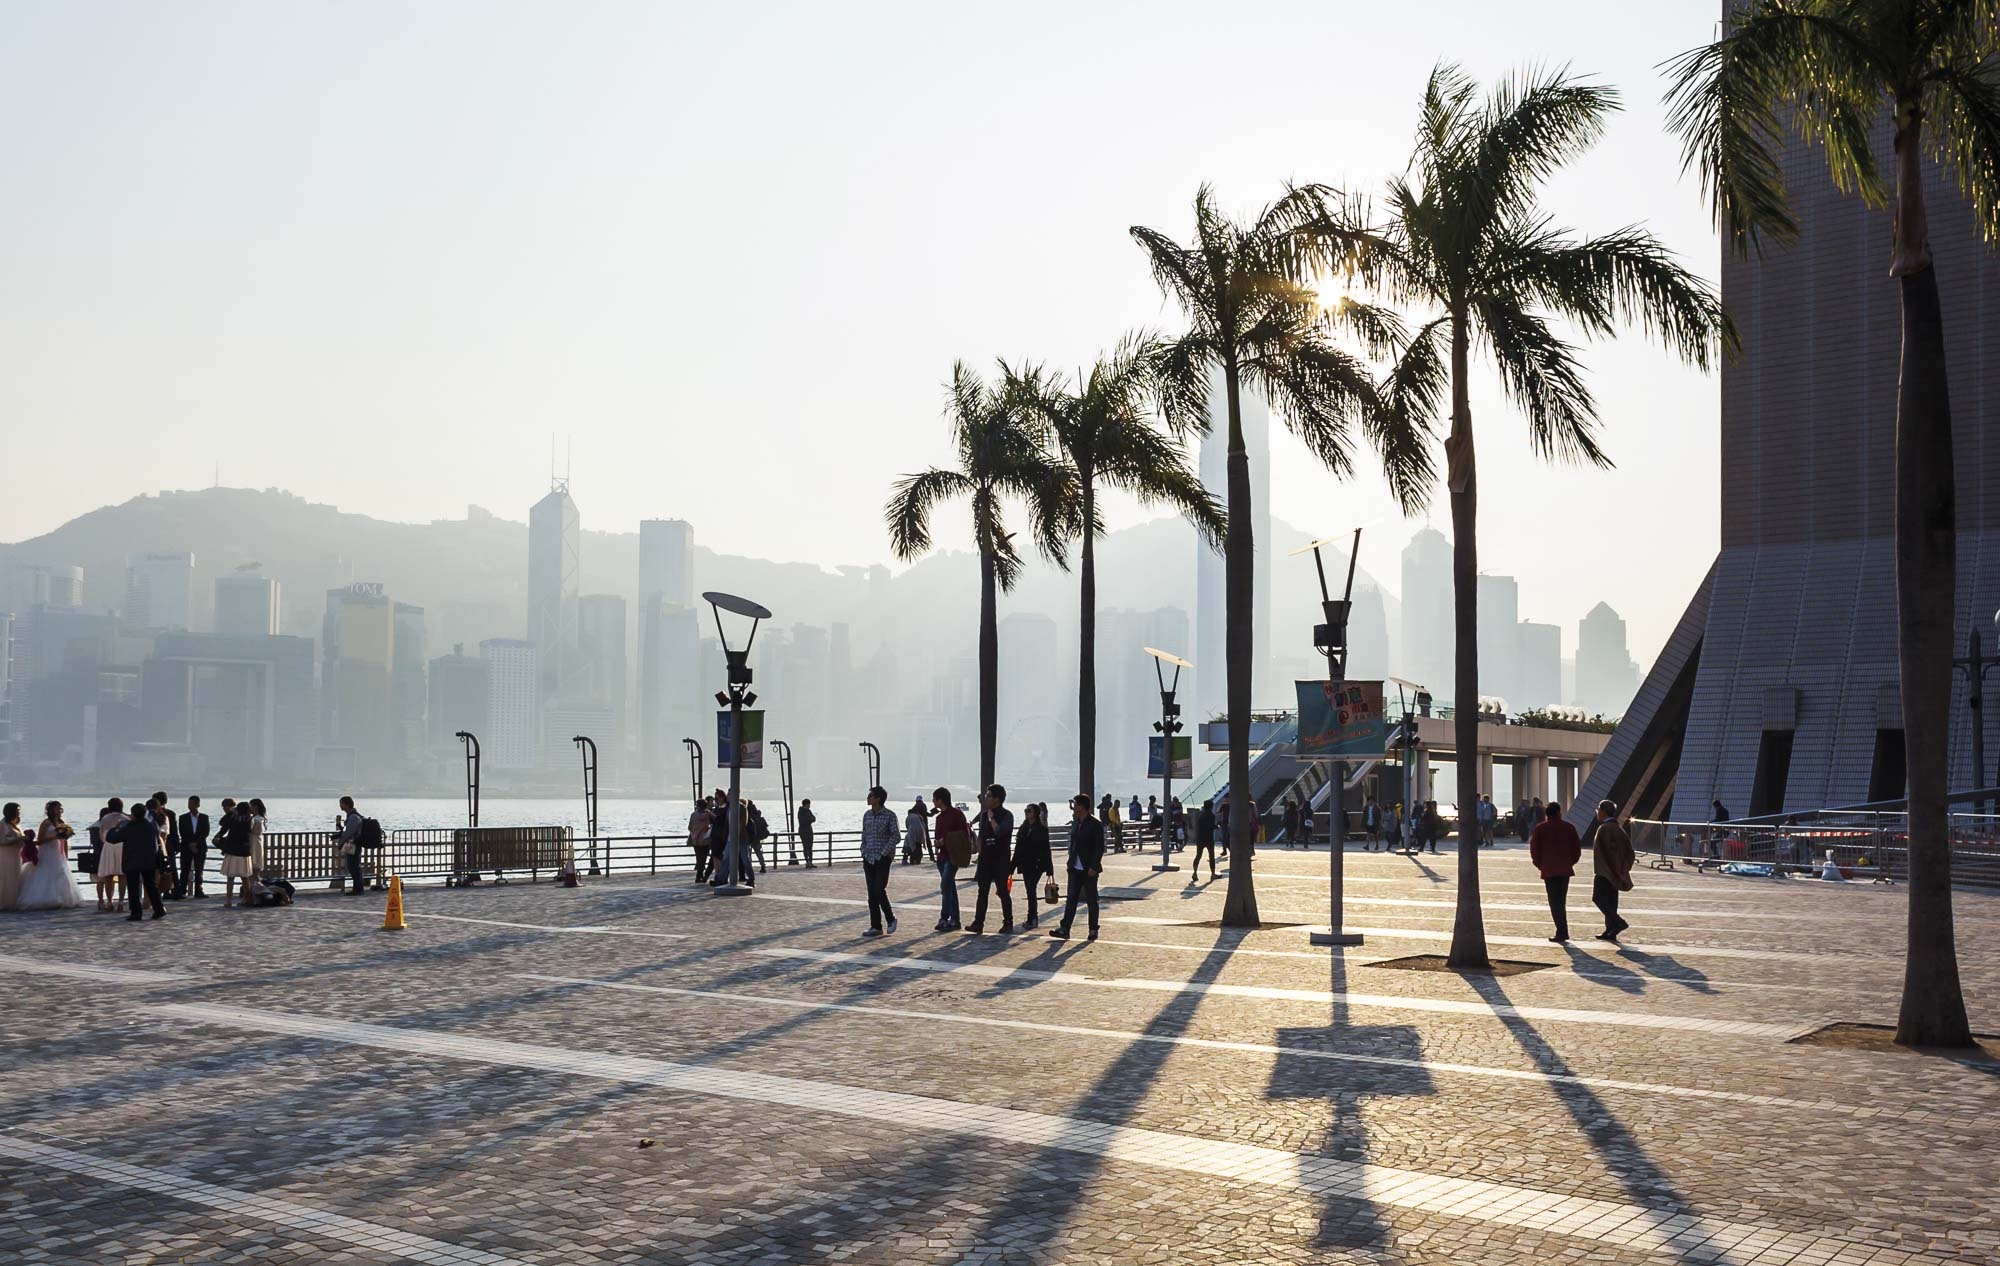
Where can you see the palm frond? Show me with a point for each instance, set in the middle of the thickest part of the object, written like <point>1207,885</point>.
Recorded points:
<point>1963,130</point>
<point>1318,391</point>
<point>908,513</point>
<point>1180,372</point>
<point>1179,272</point>
<point>1625,275</point>
<point>1543,377</point>
<point>1409,399</point>
<point>1532,125</point>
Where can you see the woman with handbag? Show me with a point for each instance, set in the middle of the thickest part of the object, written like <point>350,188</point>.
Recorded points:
<point>954,849</point>
<point>1031,853</point>
<point>233,840</point>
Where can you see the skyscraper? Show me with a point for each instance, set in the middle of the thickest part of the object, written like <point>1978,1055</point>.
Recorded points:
<point>45,585</point>
<point>512,739</point>
<point>159,591</point>
<point>1538,666</point>
<point>600,631</point>
<point>1605,673</point>
<point>408,695</point>
<point>1499,640</point>
<point>357,659</point>
<point>554,560</point>
<point>666,561</point>
<point>1427,613</point>
<point>457,688</point>
<point>246,603</point>
<point>1211,692</point>
<point>670,686</point>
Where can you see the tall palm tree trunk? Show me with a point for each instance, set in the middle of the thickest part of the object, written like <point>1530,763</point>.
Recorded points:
<point>1086,663</point>
<point>1933,1006</point>
<point>989,668</point>
<point>1468,929</point>
<point>1239,552</point>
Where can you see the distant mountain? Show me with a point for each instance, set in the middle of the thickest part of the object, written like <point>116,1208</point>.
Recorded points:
<point>470,574</point>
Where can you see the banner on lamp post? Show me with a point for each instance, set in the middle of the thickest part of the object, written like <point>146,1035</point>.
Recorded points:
<point>753,740</point>
<point>1156,759</point>
<point>1342,721</point>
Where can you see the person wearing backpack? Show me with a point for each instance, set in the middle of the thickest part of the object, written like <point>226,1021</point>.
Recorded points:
<point>352,827</point>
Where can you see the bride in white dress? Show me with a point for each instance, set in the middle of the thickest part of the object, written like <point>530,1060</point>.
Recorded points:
<point>48,884</point>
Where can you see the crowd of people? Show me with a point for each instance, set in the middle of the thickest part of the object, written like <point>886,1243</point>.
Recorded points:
<point>140,854</point>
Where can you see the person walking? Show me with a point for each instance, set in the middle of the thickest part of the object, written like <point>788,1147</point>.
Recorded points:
<point>110,873</point>
<point>878,853</point>
<point>1717,815</point>
<point>953,837</point>
<point>1083,866</point>
<point>1204,841</point>
<point>1371,824</point>
<point>699,823</point>
<point>194,849</point>
<point>1489,817</point>
<point>807,819</point>
<point>1289,817</point>
<point>756,830</point>
<point>1611,861</point>
<point>995,834</point>
<point>1522,823</point>
<point>917,833</point>
<point>1433,826</point>
<point>1031,854</point>
<point>1555,849</point>
<point>140,857</point>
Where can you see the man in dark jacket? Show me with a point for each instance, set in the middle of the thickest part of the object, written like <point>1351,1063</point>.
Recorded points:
<point>1204,840</point>
<point>807,819</point>
<point>1611,861</point>
<point>194,849</point>
<point>1085,864</point>
<point>140,837</point>
<point>994,832</point>
<point>1555,848</point>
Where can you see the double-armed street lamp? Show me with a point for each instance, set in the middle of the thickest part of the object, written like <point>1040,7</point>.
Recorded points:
<point>736,696</point>
<point>1167,726</point>
<point>1330,639</point>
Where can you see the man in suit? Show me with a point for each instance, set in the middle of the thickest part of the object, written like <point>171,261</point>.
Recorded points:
<point>1086,863</point>
<point>194,849</point>
<point>140,836</point>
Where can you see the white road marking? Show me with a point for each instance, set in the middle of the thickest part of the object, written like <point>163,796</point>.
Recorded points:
<point>1130,1035</point>
<point>1656,1230</point>
<point>527,927</point>
<point>1393,1002</point>
<point>236,1204</point>
<point>13,965</point>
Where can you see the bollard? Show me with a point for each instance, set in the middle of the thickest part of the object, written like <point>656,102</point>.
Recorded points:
<point>392,915</point>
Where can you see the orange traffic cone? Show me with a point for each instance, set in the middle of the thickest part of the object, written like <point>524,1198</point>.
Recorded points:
<point>392,917</point>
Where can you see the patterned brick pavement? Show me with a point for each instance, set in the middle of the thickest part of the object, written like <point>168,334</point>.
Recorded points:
<point>297,1085</point>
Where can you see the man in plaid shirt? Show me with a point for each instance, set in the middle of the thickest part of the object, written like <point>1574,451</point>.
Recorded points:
<point>879,838</point>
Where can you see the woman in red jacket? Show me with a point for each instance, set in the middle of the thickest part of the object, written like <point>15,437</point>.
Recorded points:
<point>1555,848</point>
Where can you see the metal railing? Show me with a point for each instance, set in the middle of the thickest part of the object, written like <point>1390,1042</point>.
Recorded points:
<point>1864,844</point>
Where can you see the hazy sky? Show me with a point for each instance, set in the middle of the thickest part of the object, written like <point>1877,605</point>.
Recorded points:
<point>378,253</point>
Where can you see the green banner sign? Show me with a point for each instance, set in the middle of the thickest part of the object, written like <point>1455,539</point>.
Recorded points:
<point>753,740</point>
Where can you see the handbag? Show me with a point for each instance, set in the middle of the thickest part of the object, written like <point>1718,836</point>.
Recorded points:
<point>86,861</point>
<point>1051,893</point>
<point>957,845</point>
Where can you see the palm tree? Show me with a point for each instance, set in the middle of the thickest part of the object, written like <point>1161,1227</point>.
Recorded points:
<point>1466,250</point>
<point>1257,321</point>
<point>1830,70</point>
<point>1000,454</point>
<point>1104,429</point>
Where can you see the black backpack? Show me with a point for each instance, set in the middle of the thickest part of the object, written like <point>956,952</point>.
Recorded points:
<point>370,835</point>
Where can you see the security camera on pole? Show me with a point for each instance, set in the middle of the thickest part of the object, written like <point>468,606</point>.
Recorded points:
<point>736,697</point>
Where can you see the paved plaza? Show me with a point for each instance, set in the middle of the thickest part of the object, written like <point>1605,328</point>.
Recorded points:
<point>298,1085</point>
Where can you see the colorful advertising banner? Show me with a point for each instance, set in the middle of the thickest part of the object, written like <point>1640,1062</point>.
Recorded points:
<point>1183,756</point>
<point>1342,721</point>
<point>753,740</point>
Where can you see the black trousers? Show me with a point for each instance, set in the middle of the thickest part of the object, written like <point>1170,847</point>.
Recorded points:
<point>149,881</point>
<point>987,885</point>
<point>806,838</point>
<point>354,882</point>
<point>1082,887</point>
<point>877,875</point>
<point>1559,903</point>
<point>1604,895</point>
<point>701,862</point>
<point>193,859</point>
<point>1199,849</point>
<point>1029,883</point>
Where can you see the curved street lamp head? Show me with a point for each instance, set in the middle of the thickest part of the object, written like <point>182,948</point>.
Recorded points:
<point>1167,657</point>
<point>736,606</point>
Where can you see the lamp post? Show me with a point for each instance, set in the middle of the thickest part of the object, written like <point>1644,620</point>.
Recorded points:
<point>1168,725</point>
<point>471,742</point>
<point>1975,666</point>
<point>588,747</point>
<point>784,751</point>
<point>874,763</point>
<point>735,696</point>
<point>1330,638</point>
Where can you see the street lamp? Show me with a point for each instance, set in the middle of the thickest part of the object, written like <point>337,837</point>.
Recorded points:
<point>784,751</point>
<point>1168,725</point>
<point>1330,639</point>
<point>471,742</point>
<point>1412,701</point>
<point>694,768</point>
<point>874,763</point>
<point>736,696</point>
<point>588,747</point>
<point>1975,666</point>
